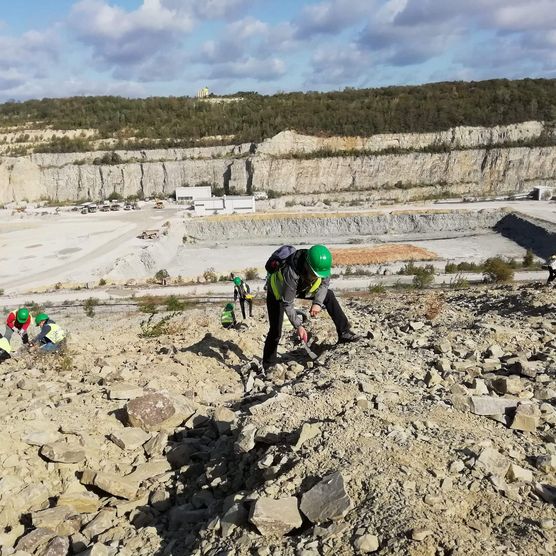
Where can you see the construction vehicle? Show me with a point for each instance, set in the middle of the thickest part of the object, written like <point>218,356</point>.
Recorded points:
<point>105,207</point>
<point>115,206</point>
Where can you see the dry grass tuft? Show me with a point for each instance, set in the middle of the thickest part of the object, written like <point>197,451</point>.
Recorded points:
<point>386,253</point>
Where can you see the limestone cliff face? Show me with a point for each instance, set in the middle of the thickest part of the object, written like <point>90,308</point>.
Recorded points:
<point>487,169</point>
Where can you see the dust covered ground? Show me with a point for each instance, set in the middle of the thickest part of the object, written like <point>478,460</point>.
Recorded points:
<point>382,446</point>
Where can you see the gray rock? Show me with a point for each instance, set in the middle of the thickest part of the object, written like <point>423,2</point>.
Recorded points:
<point>63,452</point>
<point>275,517</point>
<point>487,405</point>
<point>546,464</point>
<point>366,544</point>
<point>124,391</point>
<point>308,431</point>
<point>41,438</point>
<point>116,485</point>
<point>155,446</point>
<point>493,462</point>
<point>327,500</point>
<point>130,438</point>
<point>224,419</point>
<point>517,473</point>
<point>102,522</point>
<point>58,546</point>
<point>35,539</point>
<point>527,417</point>
<point>246,439</point>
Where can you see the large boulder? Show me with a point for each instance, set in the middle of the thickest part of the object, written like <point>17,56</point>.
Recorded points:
<point>152,412</point>
<point>327,500</point>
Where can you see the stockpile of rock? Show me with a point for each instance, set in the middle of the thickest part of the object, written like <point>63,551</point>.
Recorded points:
<point>435,434</point>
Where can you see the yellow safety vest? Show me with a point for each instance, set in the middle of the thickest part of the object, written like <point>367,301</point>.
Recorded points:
<point>227,317</point>
<point>5,345</point>
<point>277,281</point>
<point>56,334</point>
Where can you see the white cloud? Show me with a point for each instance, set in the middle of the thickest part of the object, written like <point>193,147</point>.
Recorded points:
<point>249,68</point>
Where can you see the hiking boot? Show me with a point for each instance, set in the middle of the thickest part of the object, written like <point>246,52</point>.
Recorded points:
<point>348,337</point>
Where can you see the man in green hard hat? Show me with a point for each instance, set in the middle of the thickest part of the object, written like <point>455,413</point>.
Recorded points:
<point>228,317</point>
<point>51,335</point>
<point>18,320</point>
<point>242,291</point>
<point>303,274</point>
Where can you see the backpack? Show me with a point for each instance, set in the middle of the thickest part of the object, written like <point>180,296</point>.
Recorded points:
<point>278,258</point>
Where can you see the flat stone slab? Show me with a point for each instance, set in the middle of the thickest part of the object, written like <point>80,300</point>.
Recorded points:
<point>130,438</point>
<point>327,500</point>
<point>275,517</point>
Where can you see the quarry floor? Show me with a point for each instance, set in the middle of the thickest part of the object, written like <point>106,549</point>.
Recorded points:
<point>41,248</point>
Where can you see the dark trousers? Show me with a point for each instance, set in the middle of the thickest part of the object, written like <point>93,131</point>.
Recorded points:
<point>276,319</point>
<point>551,275</point>
<point>242,305</point>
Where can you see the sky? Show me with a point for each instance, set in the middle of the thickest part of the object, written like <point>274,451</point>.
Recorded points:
<point>140,48</point>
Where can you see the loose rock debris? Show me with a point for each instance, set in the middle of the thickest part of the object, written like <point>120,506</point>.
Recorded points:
<point>434,435</point>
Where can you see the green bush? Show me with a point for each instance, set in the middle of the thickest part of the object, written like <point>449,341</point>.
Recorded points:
<point>423,276</point>
<point>147,305</point>
<point>174,304</point>
<point>497,269</point>
<point>459,282</point>
<point>161,276</point>
<point>89,306</point>
<point>102,282</point>
<point>377,288</point>
<point>528,259</point>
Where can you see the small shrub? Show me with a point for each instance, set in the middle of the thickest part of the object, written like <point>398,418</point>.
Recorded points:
<point>1,291</point>
<point>147,305</point>
<point>273,194</point>
<point>251,273</point>
<point>377,289</point>
<point>102,282</point>
<point>423,277</point>
<point>174,304</point>
<point>150,329</point>
<point>210,275</point>
<point>459,282</point>
<point>58,286</point>
<point>498,270</point>
<point>65,361</point>
<point>528,259</point>
<point>89,306</point>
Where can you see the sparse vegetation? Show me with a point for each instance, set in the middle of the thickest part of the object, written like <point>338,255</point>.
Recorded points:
<point>148,305</point>
<point>377,289</point>
<point>528,259</point>
<point>89,306</point>
<point>251,273</point>
<point>459,282</point>
<point>210,275</point>
<point>174,304</point>
<point>150,329</point>
<point>497,269</point>
<point>102,282</point>
<point>423,276</point>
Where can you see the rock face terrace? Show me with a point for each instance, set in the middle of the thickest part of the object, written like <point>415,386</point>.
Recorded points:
<point>435,434</point>
<point>463,161</point>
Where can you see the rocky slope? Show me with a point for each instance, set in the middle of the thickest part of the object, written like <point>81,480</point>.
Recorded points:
<point>435,434</point>
<point>475,161</point>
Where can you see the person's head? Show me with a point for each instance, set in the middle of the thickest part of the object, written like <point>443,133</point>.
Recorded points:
<point>229,307</point>
<point>237,281</point>
<point>22,315</point>
<point>41,318</point>
<point>319,261</point>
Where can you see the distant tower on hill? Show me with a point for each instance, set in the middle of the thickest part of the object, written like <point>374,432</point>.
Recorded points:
<point>203,93</point>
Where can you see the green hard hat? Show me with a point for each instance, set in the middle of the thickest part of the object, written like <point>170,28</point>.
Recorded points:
<point>229,307</point>
<point>22,315</point>
<point>237,281</point>
<point>40,317</point>
<point>319,259</point>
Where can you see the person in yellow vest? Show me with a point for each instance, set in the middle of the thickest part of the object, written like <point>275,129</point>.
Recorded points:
<point>228,317</point>
<point>5,349</point>
<point>304,274</point>
<point>51,335</point>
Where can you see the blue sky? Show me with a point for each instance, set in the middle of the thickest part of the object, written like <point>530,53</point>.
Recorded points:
<point>53,48</point>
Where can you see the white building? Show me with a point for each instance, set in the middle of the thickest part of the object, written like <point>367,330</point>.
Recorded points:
<point>224,205</point>
<point>190,194</point>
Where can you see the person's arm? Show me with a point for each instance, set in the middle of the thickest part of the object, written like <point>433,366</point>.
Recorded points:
<point>321,292</point>
<point>288,296</point>
<point>235,294</point>
<point>10,321</point>
<point>42,334</point>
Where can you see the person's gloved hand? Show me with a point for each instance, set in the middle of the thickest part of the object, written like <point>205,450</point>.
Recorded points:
<point>302,334</point>
<point>315,310</point>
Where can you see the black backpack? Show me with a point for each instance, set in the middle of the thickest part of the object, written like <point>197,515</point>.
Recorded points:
<point>278,258</point>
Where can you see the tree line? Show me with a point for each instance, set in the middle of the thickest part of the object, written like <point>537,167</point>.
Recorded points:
<point>182,121</point>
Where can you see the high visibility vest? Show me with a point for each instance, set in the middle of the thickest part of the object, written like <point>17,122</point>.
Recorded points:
<point>227,317</point>
<point>56,334</point>
<point>5,345</point>
<point>277,283</point>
